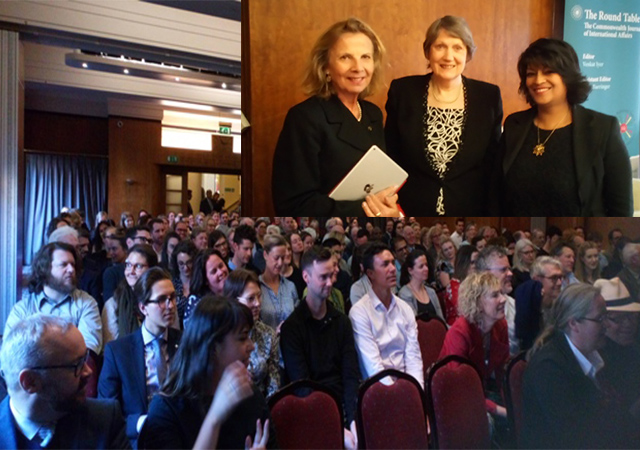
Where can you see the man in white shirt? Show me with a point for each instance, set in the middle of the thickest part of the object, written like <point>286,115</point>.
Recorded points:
<point>384,326</point>
<point>458,235</point>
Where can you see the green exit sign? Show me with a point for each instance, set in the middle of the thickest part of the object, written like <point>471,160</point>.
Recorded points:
<point>225,130</point>
<point>172,159</point>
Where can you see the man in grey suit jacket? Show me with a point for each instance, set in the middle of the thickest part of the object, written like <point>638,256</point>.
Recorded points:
<point>43,360</point>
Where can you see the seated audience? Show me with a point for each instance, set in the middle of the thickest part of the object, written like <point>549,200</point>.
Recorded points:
<point>208,400</point>
<point>445,263</point>
<point>182,260</point>
<point>244,238</point>
<point>200,238</point>
<point>480,333</point>
<point>630,273</point>
<point>588,263</point>
<point>317,340</point>
<point>565,405</point>
<point>209,274</point>
<point>292,272</point>
<point>44,362</point>
<point>279,295</point>
<point>465,265</point>
<point>565,253</point>
<point>120,315</point>
<point>136,365</point>
<point>384,326</point>
<point>523,256</point>
<point>243,285</point>
<point>218,241</point>
<point>115,274</point>
<point>158,230</point>
<point>171,239</point>
<point>422,298</point>
<point>534,299</point>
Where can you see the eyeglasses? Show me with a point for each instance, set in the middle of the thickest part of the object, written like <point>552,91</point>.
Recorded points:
<point>143,239</point>
<point>77,367</point>
<point>220,245</point>
<point>138,266</point>
<point>599,319</point>
<point>188,263</point>
<point>163,300</point>
<point>501,269</point>
<point>554,278</point>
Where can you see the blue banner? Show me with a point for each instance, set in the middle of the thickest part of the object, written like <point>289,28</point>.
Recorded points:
<point>606,37</point>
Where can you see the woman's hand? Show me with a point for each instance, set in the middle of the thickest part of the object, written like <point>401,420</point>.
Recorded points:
<point>501,411</point>
<point>260,439</point>
<point>382,204</point>
<point>234,386</point>
<point>351,437</point>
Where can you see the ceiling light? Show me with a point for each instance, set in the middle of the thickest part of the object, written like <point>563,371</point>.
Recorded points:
<point>126,71</point>
<point>224,85</point>
<point>85,65</point>
<point>184,105</point>
<point>177,78</point>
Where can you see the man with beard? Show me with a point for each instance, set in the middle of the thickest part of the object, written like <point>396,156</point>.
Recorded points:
<point>317,340</point>
<point>44,361</point>
<point>52,290</point>
<point>384,326</point>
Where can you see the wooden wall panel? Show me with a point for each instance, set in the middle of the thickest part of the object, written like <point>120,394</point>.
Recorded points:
<point>64,133</point>
<point>281,34</point>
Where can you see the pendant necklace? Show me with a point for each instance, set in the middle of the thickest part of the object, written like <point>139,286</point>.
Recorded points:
<point>538,149</point>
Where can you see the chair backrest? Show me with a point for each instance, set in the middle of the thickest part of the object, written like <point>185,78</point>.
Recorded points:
<point>311,421</point>
<point>456,405</point>
<point>514,377</point>
<point>391,416</point>
<point>431,334</point>
<point>95,363</point>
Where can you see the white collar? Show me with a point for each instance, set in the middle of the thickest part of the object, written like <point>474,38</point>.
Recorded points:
<point>28,427</point>
<point>147,336</point>
<point>590,364</point>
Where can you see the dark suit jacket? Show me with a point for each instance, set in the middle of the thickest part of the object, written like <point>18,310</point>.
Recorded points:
<point>205,207</point>
<point>97,424</point>
<point>319,144</point>
<point>528,298</point>
<point>123,375</point>
<point>465,184</point>
<point>602,166</point>
<point>111,277</point>
<point>563,408</point>
<point>631,283</point>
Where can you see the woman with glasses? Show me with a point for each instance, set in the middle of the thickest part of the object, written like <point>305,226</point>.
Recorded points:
<point>210,271</point>
<point>120,315</point>
<point>244,286</point>
<point>566,404</point>
<point>523,257</point>
<point>208,400</point>
<point>218,241</point>
<point>182,268</point>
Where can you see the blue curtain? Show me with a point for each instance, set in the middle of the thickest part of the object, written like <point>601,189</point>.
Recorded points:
<point>55,181</point>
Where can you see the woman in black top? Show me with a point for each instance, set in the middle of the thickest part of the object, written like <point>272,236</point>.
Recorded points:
<point>558,158</point>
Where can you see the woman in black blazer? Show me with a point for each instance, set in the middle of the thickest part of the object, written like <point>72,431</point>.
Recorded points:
<point>327,134</point>
<point>558,158</point>
<point>444,129</point>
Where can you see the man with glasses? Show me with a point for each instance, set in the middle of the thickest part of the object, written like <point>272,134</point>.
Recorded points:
<point>494,259</point>
<point>135,365</point>
<point>44,362</point>
<point>535,297</point>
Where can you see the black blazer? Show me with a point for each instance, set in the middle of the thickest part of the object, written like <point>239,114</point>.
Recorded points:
<point>602,169</point>
<point>319,143</point>
<point>466,182</point>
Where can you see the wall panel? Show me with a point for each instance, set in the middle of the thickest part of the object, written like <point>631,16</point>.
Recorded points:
<point>281,34</point>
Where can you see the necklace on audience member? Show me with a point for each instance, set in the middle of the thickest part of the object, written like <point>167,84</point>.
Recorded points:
<point>359,118</point>
<point>538,150</point>
<point>433,90</point>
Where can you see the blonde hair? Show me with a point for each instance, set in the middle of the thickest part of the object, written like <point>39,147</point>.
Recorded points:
<point>472,289</point>
<point>517,260</point>
<point>581,270</point>
<point>315,79</point>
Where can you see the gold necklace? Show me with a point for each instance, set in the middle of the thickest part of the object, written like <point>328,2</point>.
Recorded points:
<point>433,90</point>
<point>538,149</point>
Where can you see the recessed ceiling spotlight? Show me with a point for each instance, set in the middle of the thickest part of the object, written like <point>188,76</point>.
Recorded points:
<point>224,85</point>
<point>85,65</point>
<point>178,79</point>
<point>126,71</point>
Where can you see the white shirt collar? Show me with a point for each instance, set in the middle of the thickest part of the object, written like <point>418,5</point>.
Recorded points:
<point>28,427</point>
<point>147,336</point>
<point>377,303</point>
<point>590,364</point>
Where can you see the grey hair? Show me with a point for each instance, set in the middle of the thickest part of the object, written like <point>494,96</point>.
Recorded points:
<point>492,251</point>
<point>453,25</point>
<point>520,246</point>
<point>629,251</point>
<point>25,346</point>
<point>574,302</point>
<point>537,270</point>
<point>273,229</point>
<point>59,234</point>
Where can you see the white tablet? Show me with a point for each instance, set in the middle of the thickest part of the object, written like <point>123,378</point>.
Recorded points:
<point>374,172</point>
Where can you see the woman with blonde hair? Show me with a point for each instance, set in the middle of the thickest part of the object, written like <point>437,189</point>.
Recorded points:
<point>446,262</point>
<point>326,135</point>
<point>588,263</point>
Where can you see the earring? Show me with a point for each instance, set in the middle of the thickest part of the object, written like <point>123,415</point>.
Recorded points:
<point>328,77</point>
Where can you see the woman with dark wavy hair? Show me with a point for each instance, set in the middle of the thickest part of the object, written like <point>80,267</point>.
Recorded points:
<point>207,400</point>
<point>559,158</point>
<point>209,274</point>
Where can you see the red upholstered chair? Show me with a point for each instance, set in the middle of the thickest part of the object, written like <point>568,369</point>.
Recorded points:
<point>514,376</point>
<point>307,415</point>
<point>456,405</point>
<point>391,416</point>
<point>95,363</point>
<point>431,334</point>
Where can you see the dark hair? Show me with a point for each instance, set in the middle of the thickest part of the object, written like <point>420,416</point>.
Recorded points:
<point>191,369</point>
<point>215,237</point>
<point>132,232</point>
<point>362,232</point>
<point>610,234</point>
<point>198,285</point>
<point>120,237</point>
<point>187,246</point>
<point>41,265</point>
<point>331,242</point>
<point>557,249</point>
<point>395,240</point>
<point>313,255</point>
<point>372,249</point>
<point>244,232</point>
<point>166,261</point>
<point>144,285</point>
<point>477,238</point>
<point>552,231</point>
<point>152,222</point>
<point>198,230</point>
<point>463,262</point>
<point>96,239</point>
<point>53,224</point>
<point>558,56</point>
<point>408,264</point>
<point>236,282</point>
